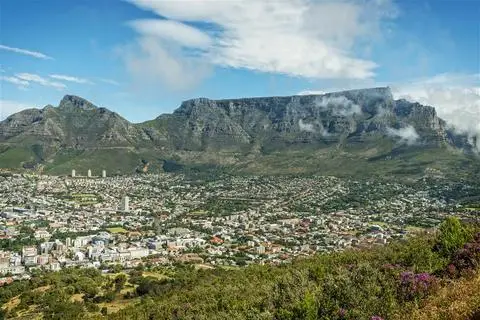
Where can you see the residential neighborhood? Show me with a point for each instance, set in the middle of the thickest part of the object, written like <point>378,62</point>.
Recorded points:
<point>53,222</point>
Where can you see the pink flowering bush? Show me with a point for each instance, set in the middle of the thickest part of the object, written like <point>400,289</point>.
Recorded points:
<point>415,286</point>
<point>466,259</point>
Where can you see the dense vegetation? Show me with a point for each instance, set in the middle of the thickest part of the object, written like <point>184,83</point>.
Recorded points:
<point>403,280</point>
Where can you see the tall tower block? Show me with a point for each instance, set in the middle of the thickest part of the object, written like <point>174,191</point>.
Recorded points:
<point>73,173</point>
<point>104,174</point>
<point>125,205</point>
<point>89,173</point>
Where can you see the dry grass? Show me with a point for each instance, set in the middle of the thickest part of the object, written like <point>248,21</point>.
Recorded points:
<point>42,289</point>
<point>77,297</point>
<point>118,304</point>
<point>12,303</point>
<point>459,300</point>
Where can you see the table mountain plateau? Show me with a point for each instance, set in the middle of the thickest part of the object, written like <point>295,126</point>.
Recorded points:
<point>358,132</point>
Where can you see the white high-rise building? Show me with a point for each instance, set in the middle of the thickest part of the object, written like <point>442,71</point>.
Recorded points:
<point>124,206</point>
<point>89,173</point>
<point>104,174</point>
<point>73,173</point>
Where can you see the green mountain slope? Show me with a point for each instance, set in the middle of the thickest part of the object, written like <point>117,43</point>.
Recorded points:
<point>348,133</point>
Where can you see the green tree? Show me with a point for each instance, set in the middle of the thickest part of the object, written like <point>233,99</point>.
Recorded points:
<point>120,282</point>
<point>104,311</point>
<point>453,235</point>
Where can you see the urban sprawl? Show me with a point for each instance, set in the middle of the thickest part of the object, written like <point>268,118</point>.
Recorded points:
<point>54,222</point>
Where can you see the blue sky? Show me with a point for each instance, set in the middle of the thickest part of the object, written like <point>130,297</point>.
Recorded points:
<point>141,58</point>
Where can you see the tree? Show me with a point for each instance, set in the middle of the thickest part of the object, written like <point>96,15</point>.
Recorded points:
<point>120,282</point>
<point>453,235</point>
<point>104,311</point>
<point>117,268</point>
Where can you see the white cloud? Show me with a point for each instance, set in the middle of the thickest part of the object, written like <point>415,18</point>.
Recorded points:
<point>35,54</point>
<point>456,97</point>
<point>16,81</point>
<point>70,78</point>
<point>175,31</point>
<point>109,81</point>
<point>311,92</point>
<point>308,127</point>
<point>341,105</point>
<point>30,77</point>
<point>298,38</point>
<point>8,107</point>
<point>153,61</point>
<point>407,135</point>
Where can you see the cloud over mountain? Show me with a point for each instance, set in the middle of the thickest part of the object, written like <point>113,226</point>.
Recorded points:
<point>407,135</point>
<point>456,97</point>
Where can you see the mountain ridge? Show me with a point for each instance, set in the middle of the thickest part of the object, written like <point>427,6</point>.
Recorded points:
<point>362,124</point>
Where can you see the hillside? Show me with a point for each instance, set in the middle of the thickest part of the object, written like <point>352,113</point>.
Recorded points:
<point>357,132</point>
<point>431,276</point>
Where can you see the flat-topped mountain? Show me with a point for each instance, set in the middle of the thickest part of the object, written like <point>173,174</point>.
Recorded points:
<point>271,134</point>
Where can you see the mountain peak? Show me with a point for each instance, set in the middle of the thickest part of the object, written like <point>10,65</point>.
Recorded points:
<point>71,101</point>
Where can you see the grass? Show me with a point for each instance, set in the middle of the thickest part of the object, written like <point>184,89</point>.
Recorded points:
<point>13,157</point>
<point>199,212</point>
<point>459,300</point>
<point>379,223</point>
<point>414,229</point>
<point>118,304</point>
<point>77,297</point>
<point>472,208</point>
<point>12,303</point>
<point>117,230</point>
<point>155,275</point>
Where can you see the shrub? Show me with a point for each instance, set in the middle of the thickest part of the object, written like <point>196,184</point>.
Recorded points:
<point>416,286</point>
<point>466,259</point>
<point>453,235</point>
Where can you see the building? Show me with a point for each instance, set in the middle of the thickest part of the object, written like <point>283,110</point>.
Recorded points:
<point>124,205</point>
<point>260,250</point>
<point>46,247</point>
<point>12,270</point>
<point>42,259</point>
<point>104,174</point>
<point>89,173</point>
<point>68,242</point>
<point>4,259</point>
<point>73,173</point>
<point>42,234</point>
<point>30,260</point>
<point>28,251</point>
<point>136,253</point>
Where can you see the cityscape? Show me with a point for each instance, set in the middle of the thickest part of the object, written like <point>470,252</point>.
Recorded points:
<point>54,222</point>
<point>240,160</point>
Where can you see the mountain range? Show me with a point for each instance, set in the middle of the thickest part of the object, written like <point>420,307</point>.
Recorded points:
<point>357,132</point>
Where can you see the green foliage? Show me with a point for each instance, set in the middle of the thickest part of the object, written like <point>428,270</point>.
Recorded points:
<point>120,282</point>
<point>104,311</point>
<point>363,283</point>
<point>453,234</point>
<point>349,285</point>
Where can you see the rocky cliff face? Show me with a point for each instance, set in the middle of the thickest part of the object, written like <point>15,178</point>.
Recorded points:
<point>342,120</point>
<point>331,118</point>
